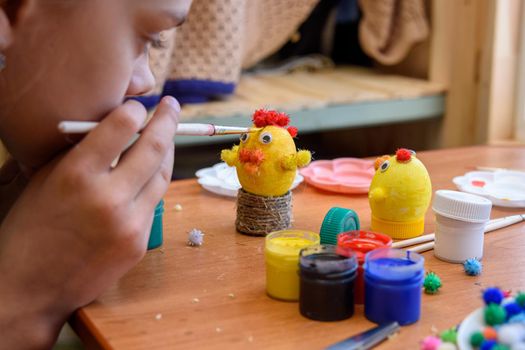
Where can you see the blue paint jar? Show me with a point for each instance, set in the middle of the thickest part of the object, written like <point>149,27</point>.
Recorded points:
<point>393,282</point>
<point>155,236</point>
<point>327,276</point>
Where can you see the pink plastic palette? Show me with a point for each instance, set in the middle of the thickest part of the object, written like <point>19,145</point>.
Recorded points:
<point>342,175</point>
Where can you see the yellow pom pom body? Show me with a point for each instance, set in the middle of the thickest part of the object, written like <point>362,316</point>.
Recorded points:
<point>267,161</point>
<point>399,197</point>
<point>230,156</point>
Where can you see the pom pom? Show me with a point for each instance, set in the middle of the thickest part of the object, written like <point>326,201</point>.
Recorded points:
<point>262,118</point>
<point>432,283</point>
<point>495,315</point>
<point>430,343</point>
<point>379,161</point>
<point>490,333</point>
<point>303,158</point>
<point>195,238</point>
<point>500,347</point>
<point>476,339</point>
<point>488,345</point>
<point>293,131</point>
<point>449,336</point>
<point>520,299</point>
<point>512,309</point>
<point>447,346</point>
<point>403,155</point>
<point>492,295</point>
<point>248,156</point>
<point>472,267</point>
<point>511,333</point>
<point>507,293</point>
<point>519,318</point>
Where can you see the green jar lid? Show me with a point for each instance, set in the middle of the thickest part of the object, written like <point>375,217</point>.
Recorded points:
<point>336,221</point>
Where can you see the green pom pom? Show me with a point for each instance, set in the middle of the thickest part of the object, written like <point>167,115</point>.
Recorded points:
<point>500,347</point>
<point>476,339</point>
<point>520,299</point>
<point>495,314</point>
<point>449,336</point>
<point>432,283</point>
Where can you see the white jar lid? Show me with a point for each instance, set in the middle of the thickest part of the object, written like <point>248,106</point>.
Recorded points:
<point>461,206</point>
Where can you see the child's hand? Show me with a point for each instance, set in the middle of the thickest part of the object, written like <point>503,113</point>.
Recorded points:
<point>80,225</point>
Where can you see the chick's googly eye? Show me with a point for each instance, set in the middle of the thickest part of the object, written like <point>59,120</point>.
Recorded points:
<point>265,138</point>
<point>384,166</point>
<point>244,137</point>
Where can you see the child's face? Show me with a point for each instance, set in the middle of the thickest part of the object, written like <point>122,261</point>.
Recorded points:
<point>74,60</point>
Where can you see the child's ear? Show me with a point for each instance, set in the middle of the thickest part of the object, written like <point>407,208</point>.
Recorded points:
<point>10,14</point>
<point>5,30</point>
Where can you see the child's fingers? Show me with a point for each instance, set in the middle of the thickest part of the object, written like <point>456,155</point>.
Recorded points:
<point>144,158</point>
<point>156,187</point>
<point>102,145</point>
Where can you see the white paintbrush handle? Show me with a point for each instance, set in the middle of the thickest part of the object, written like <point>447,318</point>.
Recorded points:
<point>492,225</point>
<point>190,129</point>
<point>422,247</point>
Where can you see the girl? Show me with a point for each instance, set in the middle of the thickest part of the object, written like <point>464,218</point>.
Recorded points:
<point>71,224</point>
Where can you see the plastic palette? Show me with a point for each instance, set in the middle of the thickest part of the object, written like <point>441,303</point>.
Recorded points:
<point>342,175</point>
<point>503,188</point>
<point>222,179</point>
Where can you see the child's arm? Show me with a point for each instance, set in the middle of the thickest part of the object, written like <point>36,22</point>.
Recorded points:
<point>80,225</point>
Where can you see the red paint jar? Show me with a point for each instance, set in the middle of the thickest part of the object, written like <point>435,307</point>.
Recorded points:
<point>362,242</point>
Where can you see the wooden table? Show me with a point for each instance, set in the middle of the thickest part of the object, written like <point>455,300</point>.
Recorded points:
<point>213,297</point>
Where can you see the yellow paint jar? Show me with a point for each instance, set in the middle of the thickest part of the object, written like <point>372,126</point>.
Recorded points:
<point>282,261</point>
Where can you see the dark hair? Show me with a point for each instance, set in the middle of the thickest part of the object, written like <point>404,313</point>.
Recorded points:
<point>11,7</point>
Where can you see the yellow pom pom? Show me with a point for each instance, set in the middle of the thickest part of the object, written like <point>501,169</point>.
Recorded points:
<point>230,156</point>
<point>303,158</point>
<point>289,162</point>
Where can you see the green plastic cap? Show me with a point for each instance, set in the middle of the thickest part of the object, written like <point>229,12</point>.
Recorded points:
<point>336,221</point>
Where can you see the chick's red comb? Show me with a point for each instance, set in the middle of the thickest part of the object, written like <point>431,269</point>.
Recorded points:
<point>263,117</point>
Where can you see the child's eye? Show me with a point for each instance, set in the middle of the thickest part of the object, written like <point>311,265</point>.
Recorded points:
<point>265,137</point>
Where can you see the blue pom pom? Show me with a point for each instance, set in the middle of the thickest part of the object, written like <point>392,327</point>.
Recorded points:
<point>519,318</point>
<point>488,344</point>
<point>472,267</point>
<point>512,309</point>
<point>492,296</point>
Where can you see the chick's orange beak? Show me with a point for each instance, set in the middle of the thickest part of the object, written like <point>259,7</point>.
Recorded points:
<point>251,159</point>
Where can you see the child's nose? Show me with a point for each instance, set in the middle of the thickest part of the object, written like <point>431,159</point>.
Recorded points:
<point>142,80</point>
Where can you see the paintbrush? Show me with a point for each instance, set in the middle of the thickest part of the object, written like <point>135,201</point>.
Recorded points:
<point>189,129</point>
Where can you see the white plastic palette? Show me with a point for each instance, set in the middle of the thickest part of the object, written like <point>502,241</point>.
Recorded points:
<point>503,188</point>
<point>222,179</point>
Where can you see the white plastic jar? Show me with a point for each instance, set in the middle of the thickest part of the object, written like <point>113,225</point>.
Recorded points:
<point>460,225</point>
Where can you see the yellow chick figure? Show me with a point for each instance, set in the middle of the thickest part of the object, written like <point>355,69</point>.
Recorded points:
<point>267,159</point>
<point>399,195</point>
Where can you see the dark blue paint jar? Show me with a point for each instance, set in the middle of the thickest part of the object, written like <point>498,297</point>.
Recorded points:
<point>393,282</point>
<point>327,276</point>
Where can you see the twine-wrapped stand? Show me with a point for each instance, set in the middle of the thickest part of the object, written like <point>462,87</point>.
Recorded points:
<point>259,215</point>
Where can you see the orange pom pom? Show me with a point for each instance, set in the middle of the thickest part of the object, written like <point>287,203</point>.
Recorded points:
<point>490,333</point>
<point>403,155</point>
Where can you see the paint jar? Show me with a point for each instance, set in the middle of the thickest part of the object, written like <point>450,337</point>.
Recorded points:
<point>362,242</point>
<point>393,282</point>
<point>282,261</point>
<point>155,236</point>
<point>460,225</point>
<point>327,279</point>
